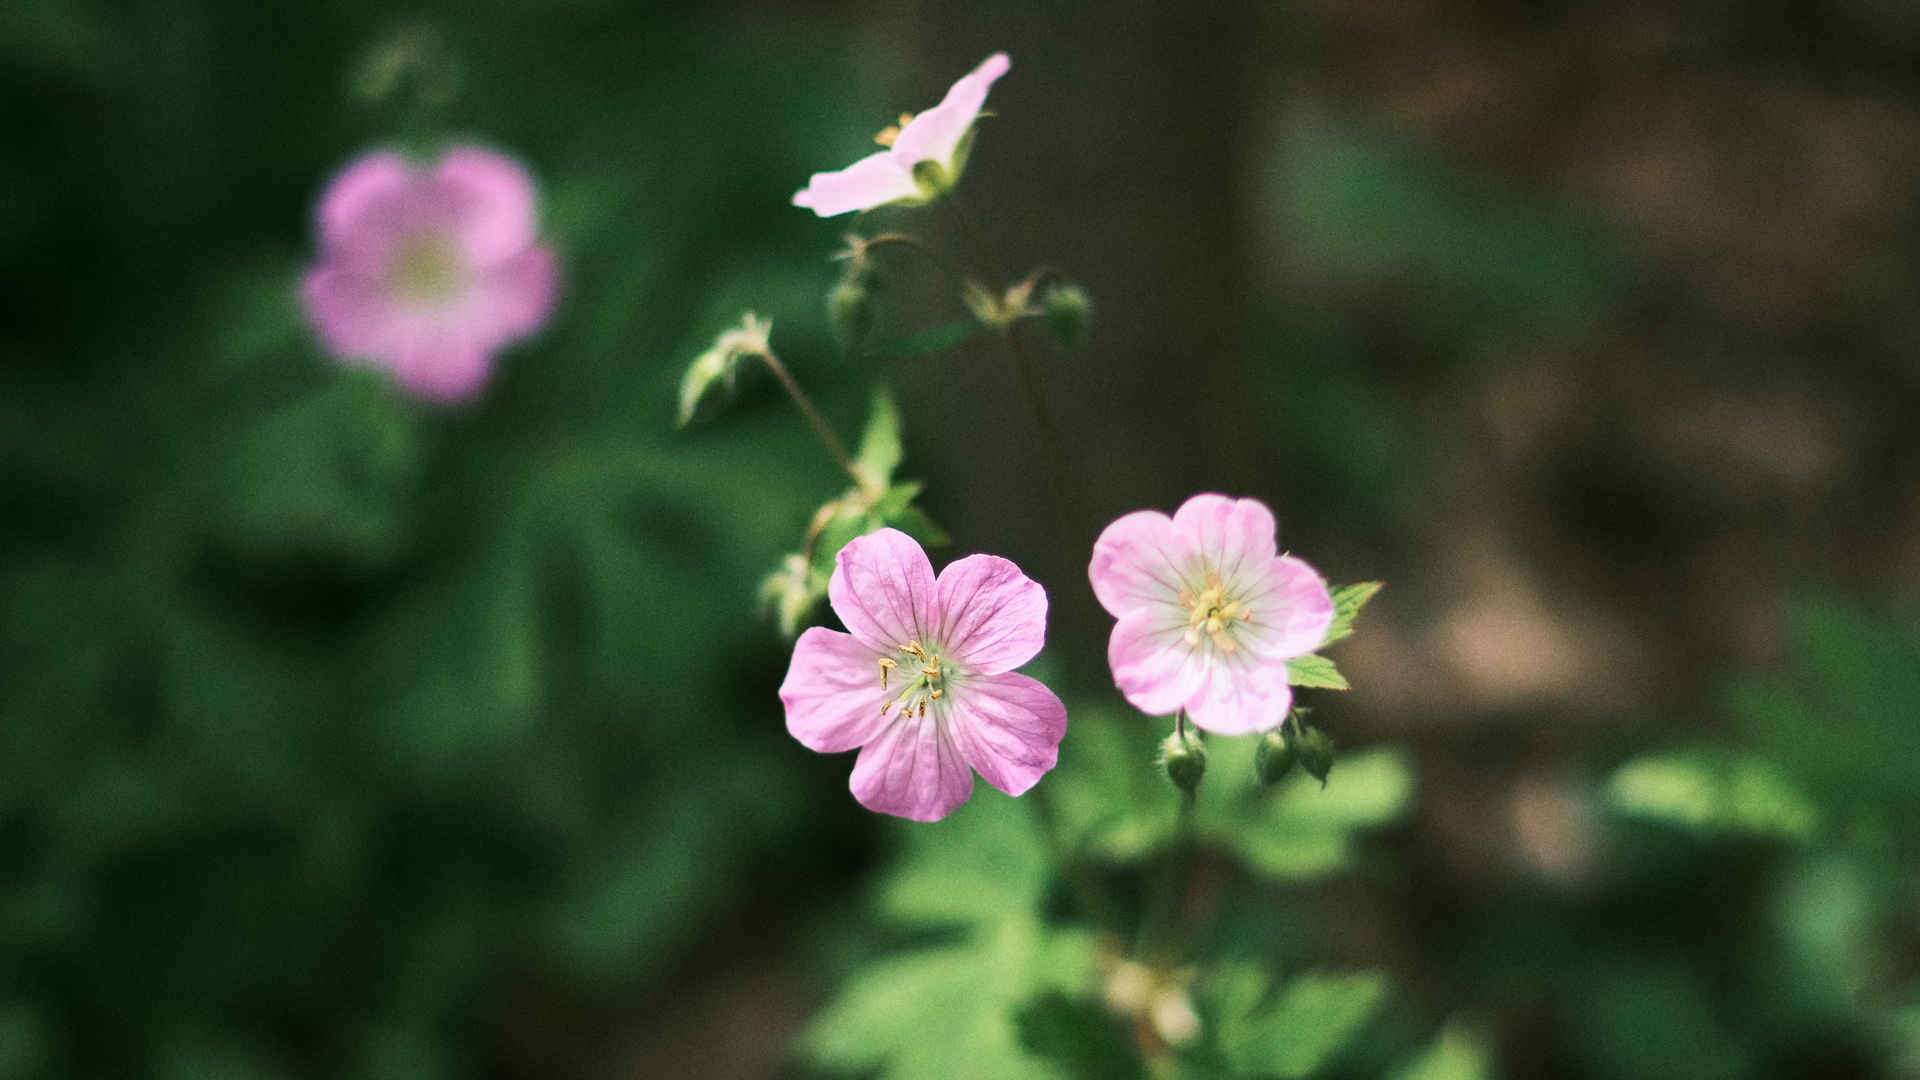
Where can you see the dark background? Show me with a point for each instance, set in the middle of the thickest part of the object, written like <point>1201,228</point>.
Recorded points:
<point>344,735</point>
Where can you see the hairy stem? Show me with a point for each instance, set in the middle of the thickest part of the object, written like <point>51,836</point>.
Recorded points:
<point>805,404</point>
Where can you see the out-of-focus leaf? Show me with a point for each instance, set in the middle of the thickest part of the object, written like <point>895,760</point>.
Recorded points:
<point>1311,1019</point>
<point>1347,602</point>
<point>1714,791</point>
<point>1316,672</point>
<point>1459,1053</point>
<point>1302,829</point>
<point>880,449</point>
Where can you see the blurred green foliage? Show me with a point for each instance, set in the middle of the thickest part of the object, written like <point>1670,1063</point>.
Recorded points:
<point>329,716</point>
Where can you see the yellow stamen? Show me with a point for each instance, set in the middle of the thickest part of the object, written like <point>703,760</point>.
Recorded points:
<point>886,666</point>
<point>892,131</point>
<point>935,695</point>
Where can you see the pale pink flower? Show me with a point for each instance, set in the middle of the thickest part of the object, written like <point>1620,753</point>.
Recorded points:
<point>924,683</point>
<point>923,158</point>
<point>426,272</point>
<point>1209,612</point>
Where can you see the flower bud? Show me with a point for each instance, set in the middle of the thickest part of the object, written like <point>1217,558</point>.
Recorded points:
<point>1315,751</point>
<point>850,312</point>
<point>1273,758</point>
<point>1184,757</point>
<point>1067,309</point>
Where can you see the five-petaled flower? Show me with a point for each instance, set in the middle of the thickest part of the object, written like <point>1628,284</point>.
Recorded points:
<point>923,158</point>
<point>923,682</point>
<point>1209,613</point>
<point>427,272</point>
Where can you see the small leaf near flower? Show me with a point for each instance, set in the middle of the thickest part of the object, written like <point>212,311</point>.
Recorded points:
<point>1317,672</point>
<point>1347,602</point>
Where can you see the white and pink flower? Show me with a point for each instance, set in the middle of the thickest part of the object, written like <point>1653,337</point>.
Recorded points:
<point>923,158</point>
<point>923,681</point>
<point>428,272</point>
<point>1209,612</point>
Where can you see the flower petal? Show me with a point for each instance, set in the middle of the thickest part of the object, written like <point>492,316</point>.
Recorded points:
<point>363,194</point>
<point>489,201</point>
<point>1152,664</point>
<point>512,298</point>
<point>874,180</point>
<point>1008,727</point>
<point>348,310</point>
<point>882,588</point>
<point>1289,610</point>
<point>440,363</point>
<point>1138,562</point>
<point>993,618</point>
<point>936,133</point>
<point>913,770</point>
<point>1232,537</point>
<point>832,692</point>
<point>1241,694</point>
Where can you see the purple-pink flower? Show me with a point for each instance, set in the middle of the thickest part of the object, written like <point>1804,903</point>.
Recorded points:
<point>923,682</point>
<point>1209,612</point>
<point>428,271</point>
<point>923,158</point>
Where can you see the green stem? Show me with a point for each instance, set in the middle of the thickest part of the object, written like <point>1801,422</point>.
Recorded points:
<point>908,240</point>
<point>805,404</point>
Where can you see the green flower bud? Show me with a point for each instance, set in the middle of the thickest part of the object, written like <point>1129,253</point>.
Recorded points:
<point>1184,757</point>
<point>1067,310</point>
<point>1315,751</point>
<point>850,313</point>
<point>1273,758</point>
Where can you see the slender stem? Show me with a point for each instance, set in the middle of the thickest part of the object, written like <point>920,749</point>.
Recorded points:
<point>935,255</point>
<point>1157,942</point>
<point>806,407</point>
<point>1030,387</point>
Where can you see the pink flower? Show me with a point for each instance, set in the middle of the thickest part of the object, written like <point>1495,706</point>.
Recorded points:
<point>427,272</point>
<point>1209,612</point>
<point>923,157</point>
<point>924,682</point>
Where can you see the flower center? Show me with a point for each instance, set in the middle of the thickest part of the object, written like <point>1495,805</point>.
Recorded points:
<point>1212,613</point>
<point>892,131</point>
<point>426,266</point>
<point>923,680</point>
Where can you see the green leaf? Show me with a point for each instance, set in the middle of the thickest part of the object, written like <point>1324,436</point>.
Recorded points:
<point>1347,602</point>
<point>984,861</point>
<point>1314,1018</point>
<point>1316,672</point>
<point>931,340</point>
<point>880,450</point>
<point>950,1012</point>
<point>1302,830</point>
<point>1714,792</point>
<point>1460,1053</point>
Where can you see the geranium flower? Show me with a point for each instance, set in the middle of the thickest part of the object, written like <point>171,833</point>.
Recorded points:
<point>428,272</point>
<point>1209,613</point>
<point>923,682</point>
<point>923,158</point>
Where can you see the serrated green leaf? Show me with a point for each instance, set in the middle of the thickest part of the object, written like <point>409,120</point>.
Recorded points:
<point>1315,1016</point>
<point>1347,602</point>
<point>1316,672</point>
<point>880,449</point>
<point>931,340</point>
<point>1714,791</point>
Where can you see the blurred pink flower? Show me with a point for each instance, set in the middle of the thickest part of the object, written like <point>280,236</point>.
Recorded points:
<point>924,682</point>
<point>427,272</point>
<point>1209,612</point>
<point>923,157</point>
